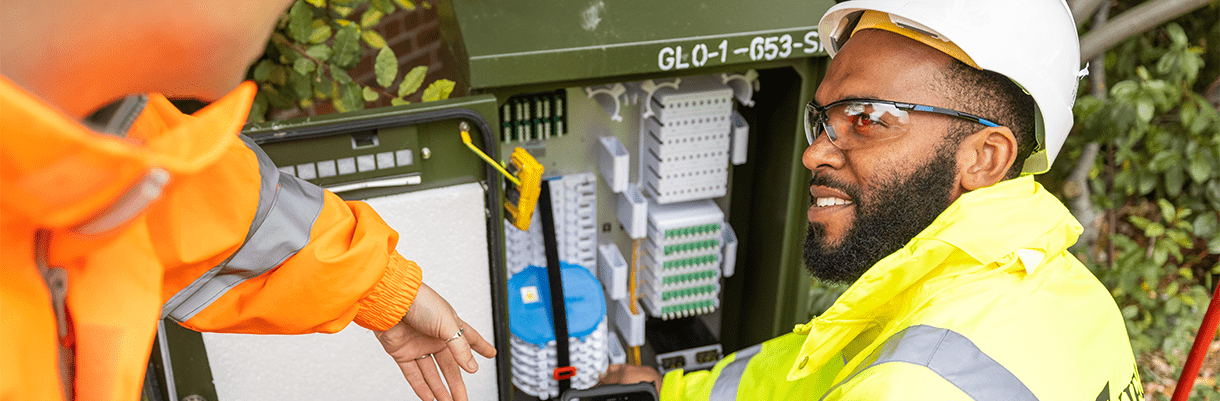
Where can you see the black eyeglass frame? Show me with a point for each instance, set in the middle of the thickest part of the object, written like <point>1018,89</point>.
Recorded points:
<point>812,109</point>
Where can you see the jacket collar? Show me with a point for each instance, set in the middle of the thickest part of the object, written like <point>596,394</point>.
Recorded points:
<point>59,174</point>
<point>1021,216</point>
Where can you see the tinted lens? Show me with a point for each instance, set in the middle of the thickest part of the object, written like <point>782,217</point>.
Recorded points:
<point>860,122</point>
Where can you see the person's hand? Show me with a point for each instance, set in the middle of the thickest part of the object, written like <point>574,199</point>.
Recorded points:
<point>425,339</point>
<point>631,374</point>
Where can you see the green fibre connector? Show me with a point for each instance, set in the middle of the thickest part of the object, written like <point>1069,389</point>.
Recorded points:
<point>693,230</point>
<point>687,307</point>
<point>699,275</point>
<point>691,246</point>
<point>685,292</point>
<point>698,260</point>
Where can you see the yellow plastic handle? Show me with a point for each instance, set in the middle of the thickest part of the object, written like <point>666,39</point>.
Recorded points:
<point>466,140</point>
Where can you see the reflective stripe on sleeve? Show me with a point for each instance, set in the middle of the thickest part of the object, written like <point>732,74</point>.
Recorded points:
<point>287,209</point>
<point>955,358</point>
<point>725,388</point>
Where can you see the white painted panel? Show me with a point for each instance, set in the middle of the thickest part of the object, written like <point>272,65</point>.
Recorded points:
<point>444,231</point>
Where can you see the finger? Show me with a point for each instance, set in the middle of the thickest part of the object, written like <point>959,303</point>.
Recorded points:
<point>428,368</point>
<point>415,378</point>
<point>453,375</point>
<point>613,375</point>
<point>478,343</point>
<point>461,351</point>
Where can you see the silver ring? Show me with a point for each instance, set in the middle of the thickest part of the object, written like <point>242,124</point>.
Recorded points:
<point>424,356</point>
<point>457,335</point>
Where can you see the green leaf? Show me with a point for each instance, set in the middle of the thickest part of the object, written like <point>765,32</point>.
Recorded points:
<point>438,90</point>
<point>346,47</point>
<point>1179,237</point>
<point>262,71</point>
<point>412,81</point>
<point>1168,211</point>
<point>1175,178</point>
<point>371,17</point>
<point>1154,230</point>
<point>1145,109</point>
<point>1160,255</point>
<point>340,75</point>
<point>303,66</point>
<point>300,21</point>
<point>341,10</point>
<point>320,33</point>
<point>1205,225</point>
<point>1176,34</point>
<point>1123,89</point>
<point>398,101</point>
<point>386,67</point>
<point>1147,182</point>
<point>258,110</point>
<point>302,86</point>
<point>1164,160</point>
<point>279,75</point>
<point>373,39</point>
<point>351,98</point>
<point>370,95</point>
<point>385,6</point>
<point>317,3</point>
<point>319,52</point>
<point>1200,167</point>
<point>323,87</point>
<point>1173,305</point>
<point>1130,311</point>
<point>1139,222</point>
<point>406,4</point>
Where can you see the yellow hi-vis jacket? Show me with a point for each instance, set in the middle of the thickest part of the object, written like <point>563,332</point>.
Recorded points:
<point>984,304</point>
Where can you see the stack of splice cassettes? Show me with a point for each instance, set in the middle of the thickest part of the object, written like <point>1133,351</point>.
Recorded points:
<point>686,153</point>
<point>533,365</point>
<point>682,259</point>
<point>574,204</point>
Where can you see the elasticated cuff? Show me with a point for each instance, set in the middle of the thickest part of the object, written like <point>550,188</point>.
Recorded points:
<point>392,296</point>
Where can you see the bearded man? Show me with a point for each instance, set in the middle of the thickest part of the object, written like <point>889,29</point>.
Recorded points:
<point>922,138</point>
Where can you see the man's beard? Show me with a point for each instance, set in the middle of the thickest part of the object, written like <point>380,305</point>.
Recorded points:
<point>884,222</point>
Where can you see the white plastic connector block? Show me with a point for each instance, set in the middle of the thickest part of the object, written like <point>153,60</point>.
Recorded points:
<point>730,251</point>
<point>631,326</point>
<point>741,139</point>
<point>618,353</point>
<point>633,212</point>
<point>612,162</point>
<point>612,270</point>
<point>744,86</point>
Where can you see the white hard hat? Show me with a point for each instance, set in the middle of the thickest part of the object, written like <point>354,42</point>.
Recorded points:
<point>1034,43</point>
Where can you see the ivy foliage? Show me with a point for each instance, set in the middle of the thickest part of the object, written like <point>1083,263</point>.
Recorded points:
<point>316,45</point>
<point>1157,182</point>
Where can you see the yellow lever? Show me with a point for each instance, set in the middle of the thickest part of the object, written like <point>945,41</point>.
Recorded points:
<point>525,187</point>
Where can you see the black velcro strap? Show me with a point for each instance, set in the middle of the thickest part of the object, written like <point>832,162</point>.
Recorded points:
<point>559,314</point>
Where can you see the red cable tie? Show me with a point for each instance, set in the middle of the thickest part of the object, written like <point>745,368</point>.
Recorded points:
<point>564,373</point>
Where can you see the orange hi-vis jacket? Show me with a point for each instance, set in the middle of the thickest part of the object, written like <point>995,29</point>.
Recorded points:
<point>167,215</point>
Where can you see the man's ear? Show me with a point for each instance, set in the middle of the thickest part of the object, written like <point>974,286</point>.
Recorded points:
<point>985,157</point>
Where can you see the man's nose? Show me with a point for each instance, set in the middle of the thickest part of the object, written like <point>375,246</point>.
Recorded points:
<point>822,154</point>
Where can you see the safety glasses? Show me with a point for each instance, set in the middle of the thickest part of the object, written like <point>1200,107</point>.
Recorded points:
<point>852,123</point>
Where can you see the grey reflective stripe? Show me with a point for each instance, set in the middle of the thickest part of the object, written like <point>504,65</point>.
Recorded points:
<point>117,118</point>
<point>287,209</point>
<point>725,388</point>
<point>955,358</point>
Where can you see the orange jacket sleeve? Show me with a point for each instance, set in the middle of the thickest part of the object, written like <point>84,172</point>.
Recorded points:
<point>249,250</point>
